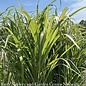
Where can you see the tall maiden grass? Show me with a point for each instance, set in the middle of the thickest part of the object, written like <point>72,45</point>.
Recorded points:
<point>41,49</point>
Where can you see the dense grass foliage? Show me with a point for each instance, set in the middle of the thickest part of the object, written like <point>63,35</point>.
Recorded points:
<point>43,48</point>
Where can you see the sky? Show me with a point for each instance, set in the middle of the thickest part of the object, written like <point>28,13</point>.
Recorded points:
<point>30,5</point>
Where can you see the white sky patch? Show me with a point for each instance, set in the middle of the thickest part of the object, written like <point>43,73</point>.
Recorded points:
<point>70,0</point>
<point>80,15</point>
<point>29,4</point>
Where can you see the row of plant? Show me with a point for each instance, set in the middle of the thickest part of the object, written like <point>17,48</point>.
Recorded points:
<point>41,49</point>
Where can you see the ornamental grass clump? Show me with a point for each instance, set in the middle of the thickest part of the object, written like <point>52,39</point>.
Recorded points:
<point>41,48</point>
